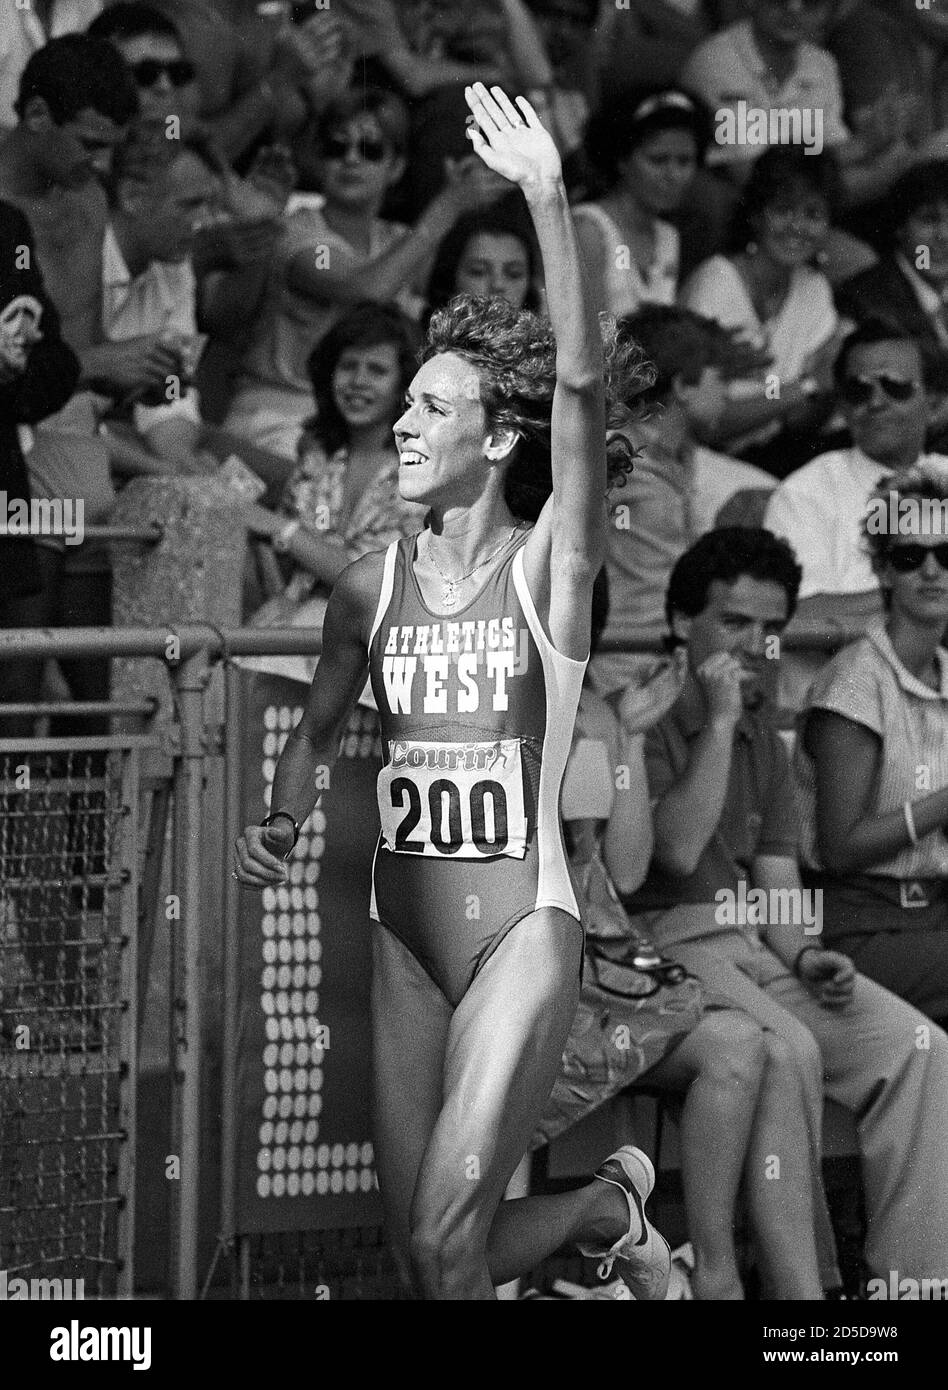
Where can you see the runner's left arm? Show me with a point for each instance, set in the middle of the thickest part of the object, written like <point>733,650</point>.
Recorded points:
<point>512,141</point>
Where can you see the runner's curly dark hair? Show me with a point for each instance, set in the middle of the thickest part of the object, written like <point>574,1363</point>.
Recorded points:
<point>514,353</point>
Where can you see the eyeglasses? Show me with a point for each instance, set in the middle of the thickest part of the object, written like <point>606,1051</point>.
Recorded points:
<point>179,71</point>
<point>858,390</point>
<point>906,558</point>
<point>369,148</point>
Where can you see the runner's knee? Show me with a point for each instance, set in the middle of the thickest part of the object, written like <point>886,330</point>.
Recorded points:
<point>446,1253</point>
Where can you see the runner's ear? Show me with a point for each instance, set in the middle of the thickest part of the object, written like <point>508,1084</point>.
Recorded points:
<point>501,444</point>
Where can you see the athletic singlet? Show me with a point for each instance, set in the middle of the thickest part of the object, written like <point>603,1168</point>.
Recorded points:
<point>477,709</point>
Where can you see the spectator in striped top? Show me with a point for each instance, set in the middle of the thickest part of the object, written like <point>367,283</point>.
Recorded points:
<point>873,757</point>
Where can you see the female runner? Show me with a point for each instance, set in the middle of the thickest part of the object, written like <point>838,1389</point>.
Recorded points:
<point>475,634</point>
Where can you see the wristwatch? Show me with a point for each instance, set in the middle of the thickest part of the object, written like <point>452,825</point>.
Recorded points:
<point>286,815</point>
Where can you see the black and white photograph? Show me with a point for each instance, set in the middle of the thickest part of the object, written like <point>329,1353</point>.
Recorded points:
<point>473,672</point>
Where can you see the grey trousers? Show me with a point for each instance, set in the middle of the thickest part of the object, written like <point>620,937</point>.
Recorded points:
<point>879,1057</point>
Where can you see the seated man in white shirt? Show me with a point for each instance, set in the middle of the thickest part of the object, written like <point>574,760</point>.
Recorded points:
<point>149,329</point>
<point>819,509</point>
<point>773,63</point>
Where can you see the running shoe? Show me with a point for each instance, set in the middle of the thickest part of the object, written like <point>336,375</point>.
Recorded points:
<point>644,1263</point>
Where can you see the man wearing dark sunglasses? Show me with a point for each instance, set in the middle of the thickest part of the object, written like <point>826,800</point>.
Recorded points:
<point>152,48</point>
<point>881,386</point>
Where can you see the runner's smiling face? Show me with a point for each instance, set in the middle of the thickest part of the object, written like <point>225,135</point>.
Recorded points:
<point>443,435</point>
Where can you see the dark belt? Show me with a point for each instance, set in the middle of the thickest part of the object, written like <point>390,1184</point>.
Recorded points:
<point>907,894</point>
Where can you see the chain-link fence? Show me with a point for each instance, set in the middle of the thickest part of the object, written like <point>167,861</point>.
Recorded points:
<point>68,889</point>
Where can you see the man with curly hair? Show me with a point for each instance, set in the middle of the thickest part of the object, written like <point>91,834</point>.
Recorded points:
<point>475,634</point>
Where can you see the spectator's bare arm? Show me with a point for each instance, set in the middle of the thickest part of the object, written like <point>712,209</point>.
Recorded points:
<point>470,186</point>
<point>846,757</point>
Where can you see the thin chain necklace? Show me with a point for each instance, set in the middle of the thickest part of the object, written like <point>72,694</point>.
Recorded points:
<point>451,587</point>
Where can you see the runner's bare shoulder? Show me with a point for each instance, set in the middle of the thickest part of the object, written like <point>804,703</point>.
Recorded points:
<point>355,594</point>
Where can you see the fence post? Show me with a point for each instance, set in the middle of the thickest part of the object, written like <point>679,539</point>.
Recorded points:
<point>233,726</point>
<point>185,994</point>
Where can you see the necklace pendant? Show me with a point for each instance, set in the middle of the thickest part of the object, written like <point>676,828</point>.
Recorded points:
<point>449,594</point>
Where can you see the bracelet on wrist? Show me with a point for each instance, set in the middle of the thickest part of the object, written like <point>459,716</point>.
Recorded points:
<point>810,946</point>
<point>284,815</point>
<point>909,815</point>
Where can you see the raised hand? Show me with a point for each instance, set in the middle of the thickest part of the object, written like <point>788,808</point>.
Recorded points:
<point>512,142</point>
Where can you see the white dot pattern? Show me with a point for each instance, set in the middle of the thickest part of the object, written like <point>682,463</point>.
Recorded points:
<point>290,1160</point>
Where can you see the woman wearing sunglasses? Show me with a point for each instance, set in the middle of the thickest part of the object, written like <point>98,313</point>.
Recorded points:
<point>336,251</point>
<point>872,758</point>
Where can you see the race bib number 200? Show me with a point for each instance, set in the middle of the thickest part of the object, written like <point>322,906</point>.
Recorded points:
<point>454,800</point>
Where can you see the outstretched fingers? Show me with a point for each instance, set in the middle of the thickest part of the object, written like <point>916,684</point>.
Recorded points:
<point>486,112</point>
<point>529,115</point>
<point>506,105</point>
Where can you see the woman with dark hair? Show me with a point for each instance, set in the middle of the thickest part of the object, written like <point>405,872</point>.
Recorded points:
<point>335,251</point>
<point>342,500</point>
<point>770,292</point>
<point>872,758</point>
<point>475,635</point>
<point>646,147</point>
<point>486,253</point>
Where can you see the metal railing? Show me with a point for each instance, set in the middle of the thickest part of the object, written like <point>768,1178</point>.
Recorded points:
<point>102,866</point>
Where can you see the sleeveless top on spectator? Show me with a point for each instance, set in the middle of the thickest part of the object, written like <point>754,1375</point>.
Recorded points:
<point>867,683</point>
<point>802,324</point>
<point>626,289</point>
<point>290,324</point>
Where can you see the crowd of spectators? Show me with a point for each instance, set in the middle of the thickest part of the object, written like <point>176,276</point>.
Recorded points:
<point>224,226</point>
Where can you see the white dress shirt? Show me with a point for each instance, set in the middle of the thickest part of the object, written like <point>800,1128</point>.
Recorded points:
<point>728,68</point>
<point>820,510</point>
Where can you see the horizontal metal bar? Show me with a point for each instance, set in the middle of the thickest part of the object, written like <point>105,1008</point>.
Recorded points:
<point>85,708</point>
<point>52,1065</point>
<point>18,643</point>
<point>86,743</point>
<point>66,1206</point>
<point>149,534</point>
